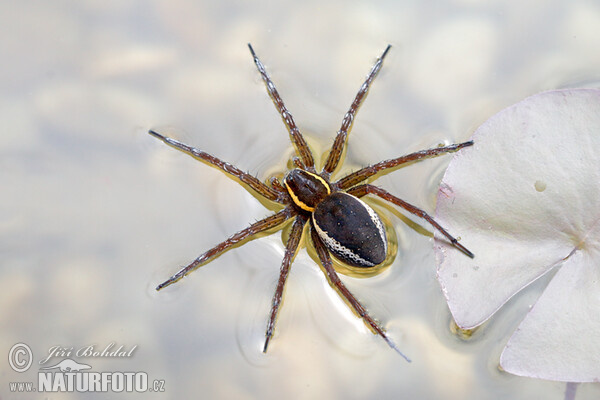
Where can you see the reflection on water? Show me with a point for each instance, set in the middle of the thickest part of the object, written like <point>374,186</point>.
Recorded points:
<point>95,212</point>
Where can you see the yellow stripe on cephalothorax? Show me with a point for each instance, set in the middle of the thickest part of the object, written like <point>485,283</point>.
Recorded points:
<point>300,203</point>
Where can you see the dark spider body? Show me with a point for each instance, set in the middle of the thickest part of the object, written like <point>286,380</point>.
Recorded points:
<point>340,223</point>
<point>351,230</point>
<point>346,225</point>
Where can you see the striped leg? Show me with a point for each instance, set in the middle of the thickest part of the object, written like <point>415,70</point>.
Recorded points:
<point>335,281</point>
<point>358,176</point>
<point>257,227</point>
<point>246,178</point>
<point>338,145</point>
<point>290,250</point>
<point>297,138</point>
<point>362,190</point>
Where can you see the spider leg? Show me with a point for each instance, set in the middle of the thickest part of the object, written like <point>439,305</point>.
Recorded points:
<point>253,182</point>
<point>257,227</point>
<point>338,145</point>
<point>335,280</point>
<point>290,250</point>
<point>364,173</point>
<point>297,138</point>
<point>362,190</point>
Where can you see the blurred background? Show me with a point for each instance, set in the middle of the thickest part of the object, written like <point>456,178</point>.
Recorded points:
<point>94,212</point>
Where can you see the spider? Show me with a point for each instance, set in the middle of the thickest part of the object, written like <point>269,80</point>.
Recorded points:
<point>340,223</point>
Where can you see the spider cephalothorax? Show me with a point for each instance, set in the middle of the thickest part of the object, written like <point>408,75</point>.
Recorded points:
<point>340,223</point>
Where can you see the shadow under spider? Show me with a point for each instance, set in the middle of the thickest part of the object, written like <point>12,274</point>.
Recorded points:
<point>340,223</point>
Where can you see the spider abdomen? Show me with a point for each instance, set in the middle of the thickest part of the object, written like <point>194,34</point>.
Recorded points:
<point>351,230</point>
